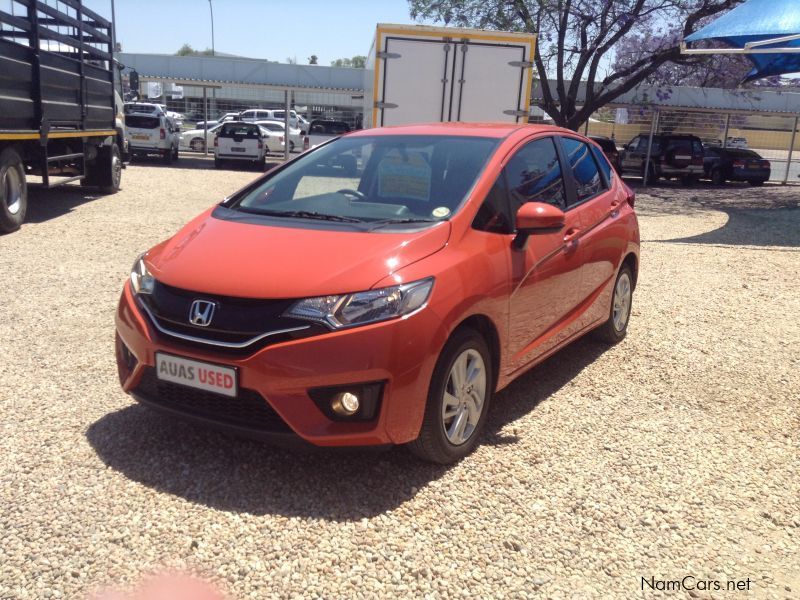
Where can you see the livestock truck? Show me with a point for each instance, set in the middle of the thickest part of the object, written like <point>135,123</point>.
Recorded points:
<point>59,114</point>
<point>422,74</point>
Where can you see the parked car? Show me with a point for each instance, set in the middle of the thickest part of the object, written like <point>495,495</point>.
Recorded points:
<point>238,140</point>
<point>269,114</point>
<point>735,164</point>
<point>195,139</point>
<point>297,140</point>
<point>321,130</point>
<point>736,142</point>
<point>711,142</point>
<point>609,148</point>
<point>430,267</point>
<point>231,116</point>
<point>153,134</point>
<point>676,156</point>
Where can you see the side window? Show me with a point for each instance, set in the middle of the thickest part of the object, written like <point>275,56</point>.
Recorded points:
<point>603,162</point>
<point>493,214</point>
<point>534,175</point>
<point>635,144</point>
<point>588,182</point>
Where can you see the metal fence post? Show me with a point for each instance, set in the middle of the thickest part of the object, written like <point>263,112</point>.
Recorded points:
<point>791,150</point>
<point>205,119</point>
<point>653,125</point>
<point>286,144</point>
<point>727,129</point>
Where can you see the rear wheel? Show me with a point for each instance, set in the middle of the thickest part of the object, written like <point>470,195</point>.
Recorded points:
<point>615,328</point>
<point>291,146</point>
<point>689,180</point>
<point>105,173</point>
<point>717,177</point>
<point>168,157</point>
<point>756,182</point>
<point>175,155</point>
<point>458,400</point>
<point>13,191</point>
<point>217,163</point>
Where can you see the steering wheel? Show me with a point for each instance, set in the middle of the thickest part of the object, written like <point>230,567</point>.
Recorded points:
<point>354,193</point>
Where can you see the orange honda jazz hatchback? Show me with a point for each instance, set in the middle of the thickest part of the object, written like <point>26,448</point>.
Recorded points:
<point>382,287</point>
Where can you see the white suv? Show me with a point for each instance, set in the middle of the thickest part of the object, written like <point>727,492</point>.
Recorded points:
<point>237,140</point>
<point>153,133</point>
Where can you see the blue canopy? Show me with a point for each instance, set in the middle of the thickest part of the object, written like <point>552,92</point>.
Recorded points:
<point>765,31</point>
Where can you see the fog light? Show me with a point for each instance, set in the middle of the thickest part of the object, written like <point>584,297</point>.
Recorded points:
<point>345,403</point>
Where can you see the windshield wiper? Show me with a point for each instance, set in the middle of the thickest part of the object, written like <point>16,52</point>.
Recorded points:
<point>299,214</point>
<point>381,222</point>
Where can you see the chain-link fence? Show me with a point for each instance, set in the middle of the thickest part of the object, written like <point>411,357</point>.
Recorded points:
<point>770,136</point>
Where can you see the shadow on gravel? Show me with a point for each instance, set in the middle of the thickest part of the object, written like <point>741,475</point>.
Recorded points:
<point>234,474</point>
<point>762,216</point>
<point>198,161</point>
<point>44,204</point>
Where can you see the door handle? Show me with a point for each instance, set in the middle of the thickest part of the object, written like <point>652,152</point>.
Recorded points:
<point>615,203</point>
<point>571,237</point>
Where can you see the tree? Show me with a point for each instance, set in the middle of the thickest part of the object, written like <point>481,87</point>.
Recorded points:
<point>187,50</point>
<point>291,60</point>
<point>313,60</point>
<point>577,39</point>
<point>357,62</point>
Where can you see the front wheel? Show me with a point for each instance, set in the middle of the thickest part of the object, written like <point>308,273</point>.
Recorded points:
<point>13,191</point>
<point>458,400</point>
<point>717,177</point>
<point>615,328</point>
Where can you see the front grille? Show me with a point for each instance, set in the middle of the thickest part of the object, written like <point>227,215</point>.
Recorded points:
<point>235,320</point>
<point>249,409</point>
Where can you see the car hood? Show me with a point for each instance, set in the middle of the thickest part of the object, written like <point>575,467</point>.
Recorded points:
<point>228,258</point>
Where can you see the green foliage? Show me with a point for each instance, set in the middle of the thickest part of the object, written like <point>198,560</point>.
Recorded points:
<point>187,50</point>
<point>357,62</point>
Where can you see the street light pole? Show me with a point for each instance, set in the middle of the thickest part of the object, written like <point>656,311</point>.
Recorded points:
<point>211,8</point>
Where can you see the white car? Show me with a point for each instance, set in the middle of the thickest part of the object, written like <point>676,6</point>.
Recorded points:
<point>195,139</point>
<point>231,116</point>
<point>241,141</point>
<point>736,142</point>
<point>270,114</point>
<point>153,133</point>
<point>296,137</point>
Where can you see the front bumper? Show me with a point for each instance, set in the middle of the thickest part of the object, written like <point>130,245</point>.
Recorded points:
<point>401,352</point>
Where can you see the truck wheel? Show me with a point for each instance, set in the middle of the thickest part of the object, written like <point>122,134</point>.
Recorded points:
<point>105,173</point>
<point>168,157</point>
<point>175,156</point>
<point>13,191</point>
<point>717,177</point>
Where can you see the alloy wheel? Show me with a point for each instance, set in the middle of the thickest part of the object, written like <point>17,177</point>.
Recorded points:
<point>622,302</point>
<point>464,397</point>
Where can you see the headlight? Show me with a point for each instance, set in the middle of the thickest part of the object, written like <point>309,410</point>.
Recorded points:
<point>142,281</point>
<point>363,307</point>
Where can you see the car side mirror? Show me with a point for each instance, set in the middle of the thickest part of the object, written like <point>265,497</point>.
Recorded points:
<point>536,218</point>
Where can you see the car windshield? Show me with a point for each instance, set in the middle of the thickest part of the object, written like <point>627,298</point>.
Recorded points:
<point>383,179</point>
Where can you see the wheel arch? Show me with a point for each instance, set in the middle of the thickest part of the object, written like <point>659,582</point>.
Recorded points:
<point>633,263</point>
<point>486,327</point>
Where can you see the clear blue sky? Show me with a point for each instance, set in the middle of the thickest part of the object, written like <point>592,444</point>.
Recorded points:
<point>271,29</point>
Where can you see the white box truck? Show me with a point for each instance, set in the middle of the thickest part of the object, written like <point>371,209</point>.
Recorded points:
<point>419,74</point>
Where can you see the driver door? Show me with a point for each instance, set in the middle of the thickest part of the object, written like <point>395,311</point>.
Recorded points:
<point>546,275</point>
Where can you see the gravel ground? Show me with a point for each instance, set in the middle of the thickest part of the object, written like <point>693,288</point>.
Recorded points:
<point>672,454</point>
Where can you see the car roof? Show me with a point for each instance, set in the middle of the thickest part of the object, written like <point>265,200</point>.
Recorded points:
<point>494,130</point>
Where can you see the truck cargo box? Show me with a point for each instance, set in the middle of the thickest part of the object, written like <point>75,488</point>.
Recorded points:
<point>417,73</point>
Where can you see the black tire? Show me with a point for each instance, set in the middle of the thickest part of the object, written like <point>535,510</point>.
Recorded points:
<point>433,444</point>
<point>609,332</point>
<point>755,182</point>
<point>176,154</point>
<point>688,180</point>
<point>105,173</point>
<point>168,157</point>
<point>291,146</point>
<point>217,163</point>
<point>13,191</point>
<point>717,177</point>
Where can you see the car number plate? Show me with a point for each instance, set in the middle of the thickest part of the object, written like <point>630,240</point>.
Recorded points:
<point>239,149</point>
<point>141,137</point>
<point>755,165</point>
<point>197,374</point>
